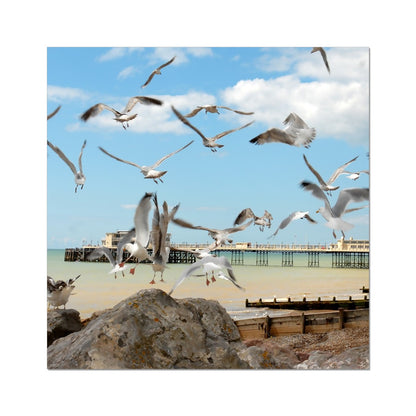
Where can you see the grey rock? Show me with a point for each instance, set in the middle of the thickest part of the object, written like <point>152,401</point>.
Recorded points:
<point>152,330</point>
<point>62,322</point>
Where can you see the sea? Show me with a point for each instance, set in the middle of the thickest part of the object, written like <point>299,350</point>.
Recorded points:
<point>96,289</point>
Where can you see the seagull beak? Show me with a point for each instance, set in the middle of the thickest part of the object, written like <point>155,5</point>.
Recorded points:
<point>317,211</point>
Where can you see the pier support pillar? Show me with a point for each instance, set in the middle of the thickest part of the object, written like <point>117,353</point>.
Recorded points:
<point>237,257</point>
<point>287,258</point>
<point>262,258</point>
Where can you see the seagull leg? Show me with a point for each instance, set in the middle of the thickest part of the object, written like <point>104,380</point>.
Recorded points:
<point>152,282</point>
<point>161,180</point>
<point>206,278</point>
<point>154,180</point>
<point>333,233</point>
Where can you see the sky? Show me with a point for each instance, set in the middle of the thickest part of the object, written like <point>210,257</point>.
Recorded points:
<point>211,188</point>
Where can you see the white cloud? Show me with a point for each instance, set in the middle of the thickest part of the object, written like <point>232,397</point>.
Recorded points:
<point>127,72</point>
<point>129,206</point>
<point>60,94</point>
<point>200,51</point>
<point>116,53</point>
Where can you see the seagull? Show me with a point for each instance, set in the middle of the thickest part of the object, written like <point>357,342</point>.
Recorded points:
<point>323,54</point>
<point>211,266</point>
<point>117,262</point>
<point>208,142</point>
<point>122,117</point>
<point>159,237</point>
<point>79,175</point>
<point>333,214</point>
<point>355,175</point>
<point>214,109</point>
<point>198,253</point>
<point>59,291</point>
<point>297,215</point>
<point>138,249</point>
<point>149,172</point>
<point>220,236</point>
<point>157,71</point>
<point>54,112</point>
<point>296,133</point>
<point>326,186</point>
<point>264,221</point>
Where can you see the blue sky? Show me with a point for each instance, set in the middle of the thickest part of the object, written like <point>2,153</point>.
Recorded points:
<point>212,188</point>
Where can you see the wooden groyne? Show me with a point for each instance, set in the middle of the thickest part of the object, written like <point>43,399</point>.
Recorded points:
<point>302,323</point>
<point>304,305</point>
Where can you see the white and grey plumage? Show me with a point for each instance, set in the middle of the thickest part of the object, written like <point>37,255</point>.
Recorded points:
<point>212,266</point>
<point>50,115</point>
<point>323,54</point>
<point>210,142</point>
<point>296,133</point>
<point>355,175</point>
<point>58,292</point>
<point>78,174</point>
<point>122,117</point>
<point>141,229</point>
<point>117,263</point>
<point>214,109</point>
<point>263,221</point>
<point>157,71</point>
<point>220,236</point>
<point>326,186</point>
<point>297,215</point>
<point>159,237</point>
<point>333,214</point>
<point>149,172</point>
<point>198,253</point>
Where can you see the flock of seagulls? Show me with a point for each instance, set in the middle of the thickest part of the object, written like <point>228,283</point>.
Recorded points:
<point>145,237</point>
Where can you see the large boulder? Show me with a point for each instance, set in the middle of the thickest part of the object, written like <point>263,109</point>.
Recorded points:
<point>62,322</point>
<point>152,330</point>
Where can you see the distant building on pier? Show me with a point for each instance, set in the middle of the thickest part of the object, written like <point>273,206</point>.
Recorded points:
<point>350,245</point>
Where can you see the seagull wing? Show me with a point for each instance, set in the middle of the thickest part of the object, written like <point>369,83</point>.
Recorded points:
<point>54,112</point>
<point>120,160</point>
<point>236,111</point>
<point>310,219</point>
<point>149,79</point>
<point>268,215</point>
<point>61,154</point>
<point>155,165</point>
<point>317,192</point>
<point>141,220</point>
<point>187,272</point>
<point>339,171</point>
<point>218,136</point>
<point>235,229</point>
<point>102,251</point>
<point>96,109</point>
<point>185,121</point>
<point>244,215</point>
<point>318,176</point>
<point>166,63</point>
<point>323,54</point>
<point>142,100</point>
<point>194,112</point>
<point>273,135</point>
<point>80,156</point>
<point>123,241</point>
<point>293,120</point>
<point>349,195</point>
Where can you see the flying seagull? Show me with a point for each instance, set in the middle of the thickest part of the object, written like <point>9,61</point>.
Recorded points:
<point>326,186</point>
<point>79,175</point>
<point>54,112</point>
<point>157,71</point>
<point>211,266</point>
<point>122,117</point>
<point>149,172</point>
<point>118,265</point>
<point>59,291</point>
<point>323,54</point>
<point>333,214</point>
<point>214,109</point>
<point>208,142</point>
<point>220,236</point>
<point>159,237</point>
<point>355,175</point>
<point>297,215</point>
<point>264,221</point>
<point>141,229</point>
<point>296,133</point>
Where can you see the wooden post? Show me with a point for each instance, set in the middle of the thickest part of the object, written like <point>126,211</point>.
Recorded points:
<point>341,318</point>
<point>302,323</point>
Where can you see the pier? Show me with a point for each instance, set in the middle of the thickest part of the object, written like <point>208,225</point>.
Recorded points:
<point>345,254</point>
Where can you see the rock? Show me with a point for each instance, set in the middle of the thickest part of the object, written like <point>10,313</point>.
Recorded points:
<point>62,322</point>
<point>356,358</point>
<point>152,330</point>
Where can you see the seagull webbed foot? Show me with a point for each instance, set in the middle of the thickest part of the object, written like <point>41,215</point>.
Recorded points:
<point>152,282</point>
